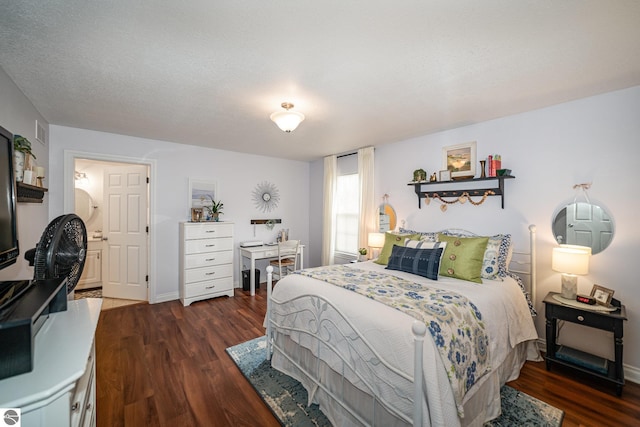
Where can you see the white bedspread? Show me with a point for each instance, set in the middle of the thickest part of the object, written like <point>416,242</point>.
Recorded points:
<point>501,302</point>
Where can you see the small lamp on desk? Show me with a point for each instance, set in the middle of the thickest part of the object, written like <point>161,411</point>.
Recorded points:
<point>375,242</point>
<point>570,260</point>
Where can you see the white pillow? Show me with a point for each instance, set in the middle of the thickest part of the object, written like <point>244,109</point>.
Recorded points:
<point>425,244</point>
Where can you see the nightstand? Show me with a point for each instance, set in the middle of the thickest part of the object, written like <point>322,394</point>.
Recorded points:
<point>608,370</point>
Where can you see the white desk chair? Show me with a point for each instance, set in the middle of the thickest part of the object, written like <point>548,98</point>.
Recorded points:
<point>287,261</point>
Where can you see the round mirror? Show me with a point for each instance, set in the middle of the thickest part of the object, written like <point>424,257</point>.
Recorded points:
<point>388,218</point>
<point>584,224</point>
<point>84,205</point>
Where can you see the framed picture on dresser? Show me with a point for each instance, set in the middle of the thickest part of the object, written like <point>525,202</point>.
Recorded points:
<point>201,193</point>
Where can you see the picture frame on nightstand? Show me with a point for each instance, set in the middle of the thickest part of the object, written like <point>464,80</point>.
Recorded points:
<point>602,295</point>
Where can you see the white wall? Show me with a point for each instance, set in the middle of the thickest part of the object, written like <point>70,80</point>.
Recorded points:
<point>593,140</point>
<point>236,175</point>
<point>19,116</point>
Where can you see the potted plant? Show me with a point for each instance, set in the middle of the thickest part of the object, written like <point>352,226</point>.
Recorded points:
<point>21,149</point>
<point>363,254</point>
<point>215,209</point>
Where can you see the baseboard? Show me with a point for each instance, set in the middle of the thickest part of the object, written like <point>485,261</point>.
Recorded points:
<point>631,373</point>
<point>169,296</point>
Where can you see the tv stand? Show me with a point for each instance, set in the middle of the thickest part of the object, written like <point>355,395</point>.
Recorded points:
<point>21,320</point>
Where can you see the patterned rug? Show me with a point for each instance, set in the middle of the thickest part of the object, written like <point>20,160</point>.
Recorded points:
<point>287,398</point>
<point>89,293</point>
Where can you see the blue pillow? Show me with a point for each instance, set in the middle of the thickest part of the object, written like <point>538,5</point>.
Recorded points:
<point>423,262</point>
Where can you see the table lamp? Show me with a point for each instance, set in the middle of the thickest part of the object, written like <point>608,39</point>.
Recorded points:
<point>375,241</point>
<point>570,260</point>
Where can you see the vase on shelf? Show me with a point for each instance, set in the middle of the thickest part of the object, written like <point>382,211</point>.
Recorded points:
<point>483,163</point>
<point>18,164</point>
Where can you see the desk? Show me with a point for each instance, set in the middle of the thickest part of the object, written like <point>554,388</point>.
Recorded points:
<point>262,252</point>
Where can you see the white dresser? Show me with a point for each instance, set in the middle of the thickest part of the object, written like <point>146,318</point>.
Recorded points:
<point>206,260</point>
<point>61,389</point>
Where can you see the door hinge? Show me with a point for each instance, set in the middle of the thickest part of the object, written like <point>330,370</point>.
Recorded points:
<point>147,279</point>
<point>147,180</point>
<point>147,229</point>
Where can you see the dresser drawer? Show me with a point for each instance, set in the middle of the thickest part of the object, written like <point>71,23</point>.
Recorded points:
<point>208,259</point>
<point>208,245</point>
<point>82,400</point>
<point>206,231</point>
<point>209,287</point>
<point>208,273</point>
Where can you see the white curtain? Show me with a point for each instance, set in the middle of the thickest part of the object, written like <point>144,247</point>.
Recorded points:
<point>368,210</point>
<point>330,177</point>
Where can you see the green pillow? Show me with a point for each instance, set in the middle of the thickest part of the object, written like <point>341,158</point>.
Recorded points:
<point>463,257</point>
<point>390,240</point>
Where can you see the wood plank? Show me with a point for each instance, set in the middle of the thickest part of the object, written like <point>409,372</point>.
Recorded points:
<point>166,365</point>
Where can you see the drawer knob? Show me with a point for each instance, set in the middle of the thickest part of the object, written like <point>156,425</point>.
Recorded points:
<point>210,231</point>
<point>211,273</point>
<point>75,406</point>
<point>209,246</point>
<point>210,259</point>
<point>210,287</point>
<point>581,318</point>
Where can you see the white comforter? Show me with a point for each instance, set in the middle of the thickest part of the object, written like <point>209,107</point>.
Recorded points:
<point>503,306</point>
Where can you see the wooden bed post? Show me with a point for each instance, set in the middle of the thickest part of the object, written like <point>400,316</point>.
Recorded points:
<point>269,284</point>
<point>419,330</point>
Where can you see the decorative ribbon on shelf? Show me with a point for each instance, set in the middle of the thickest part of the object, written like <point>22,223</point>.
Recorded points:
<point>460,199</point>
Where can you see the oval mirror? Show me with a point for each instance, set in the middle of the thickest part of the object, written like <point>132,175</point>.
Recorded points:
<point>84,205</point>
<point>584,224</point>
<point>388,218</point>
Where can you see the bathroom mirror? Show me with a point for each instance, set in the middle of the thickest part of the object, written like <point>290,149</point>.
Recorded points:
<point>84,205</point>
<point>388,218</point>
<point>583,223</point>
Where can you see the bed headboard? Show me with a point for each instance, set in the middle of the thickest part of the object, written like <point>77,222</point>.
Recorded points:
<point>523,263</point>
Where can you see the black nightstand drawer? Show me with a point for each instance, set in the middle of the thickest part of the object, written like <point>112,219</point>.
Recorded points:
<point>586,318</point>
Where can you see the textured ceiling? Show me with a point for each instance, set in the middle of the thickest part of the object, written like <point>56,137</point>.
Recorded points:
<point>364,73</point>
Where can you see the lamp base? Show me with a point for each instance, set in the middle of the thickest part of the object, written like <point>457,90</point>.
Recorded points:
<point>569,286</point>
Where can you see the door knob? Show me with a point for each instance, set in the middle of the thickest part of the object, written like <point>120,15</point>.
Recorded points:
<point>105,238</point>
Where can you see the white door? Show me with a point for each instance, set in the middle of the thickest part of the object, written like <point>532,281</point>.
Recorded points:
<point>125,232</point>
<point>588,225</point>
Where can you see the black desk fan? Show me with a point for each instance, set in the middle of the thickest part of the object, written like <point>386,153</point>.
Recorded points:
<point>61,251</point>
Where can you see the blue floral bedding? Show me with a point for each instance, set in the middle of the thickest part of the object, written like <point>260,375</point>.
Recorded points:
<point>454,322</point>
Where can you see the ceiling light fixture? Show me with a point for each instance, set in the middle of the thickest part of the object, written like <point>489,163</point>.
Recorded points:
<point>287,120</point>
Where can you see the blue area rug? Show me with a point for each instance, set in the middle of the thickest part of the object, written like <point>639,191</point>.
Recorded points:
<point>287,399</point>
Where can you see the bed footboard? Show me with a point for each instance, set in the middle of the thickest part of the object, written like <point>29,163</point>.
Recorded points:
<point>362,365</point>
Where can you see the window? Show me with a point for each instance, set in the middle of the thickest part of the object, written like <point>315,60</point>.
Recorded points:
<point>347,213</point>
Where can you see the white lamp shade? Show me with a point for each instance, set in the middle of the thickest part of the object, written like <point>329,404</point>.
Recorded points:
<point>375,240</point>
<point>287,120</point>
<point>571,259</point>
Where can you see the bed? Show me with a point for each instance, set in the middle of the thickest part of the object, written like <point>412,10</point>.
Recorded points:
<point>353,336</point>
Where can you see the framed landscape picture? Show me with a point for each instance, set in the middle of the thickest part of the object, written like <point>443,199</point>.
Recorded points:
<point>460,160</point>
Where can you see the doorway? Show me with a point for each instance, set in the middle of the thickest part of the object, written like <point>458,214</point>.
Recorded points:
<point>112,195</point>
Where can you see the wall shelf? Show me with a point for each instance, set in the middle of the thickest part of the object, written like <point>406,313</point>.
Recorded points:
<point>460,184</point>
<point>30,193</point>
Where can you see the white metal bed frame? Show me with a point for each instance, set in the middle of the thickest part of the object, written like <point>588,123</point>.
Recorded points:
<point>373,360</point>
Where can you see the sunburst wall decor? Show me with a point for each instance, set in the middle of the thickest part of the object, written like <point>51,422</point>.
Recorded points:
<point>266,196</point>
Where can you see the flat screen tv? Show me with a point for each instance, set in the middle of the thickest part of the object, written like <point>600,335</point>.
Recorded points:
<point>8,228</point>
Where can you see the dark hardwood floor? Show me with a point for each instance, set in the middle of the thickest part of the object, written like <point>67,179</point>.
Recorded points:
<point>166,365</point>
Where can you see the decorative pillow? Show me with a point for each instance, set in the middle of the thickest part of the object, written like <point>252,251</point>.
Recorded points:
<point>390,240</point>
<point>424,244</point>
<point>463,256</point>
<point>429,236</point>
<point>423,262</point>
<point>497,256</point>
